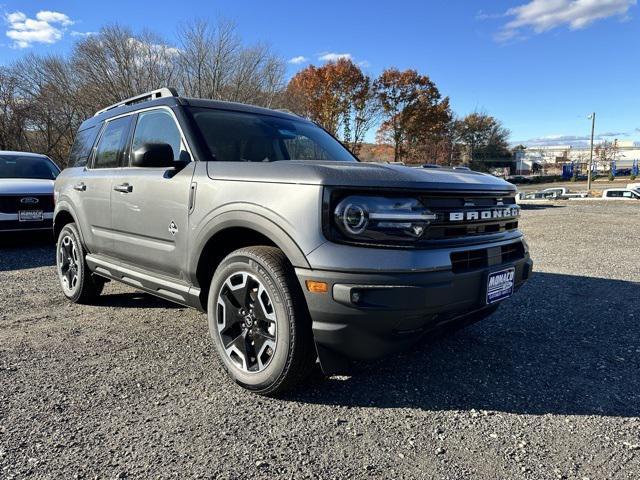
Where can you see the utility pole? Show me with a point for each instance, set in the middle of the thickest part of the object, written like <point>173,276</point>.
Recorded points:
<point>593,125</point>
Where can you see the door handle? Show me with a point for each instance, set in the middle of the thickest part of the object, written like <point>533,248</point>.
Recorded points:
<point>123,188</point>
<point>81,187</point>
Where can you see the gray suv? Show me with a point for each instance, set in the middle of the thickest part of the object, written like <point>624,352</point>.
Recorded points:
<point>298,252</point>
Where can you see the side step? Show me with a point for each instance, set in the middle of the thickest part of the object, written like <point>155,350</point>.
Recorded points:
<point>160,286</point>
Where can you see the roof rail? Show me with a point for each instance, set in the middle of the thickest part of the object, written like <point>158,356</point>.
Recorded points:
<point>152,95</point>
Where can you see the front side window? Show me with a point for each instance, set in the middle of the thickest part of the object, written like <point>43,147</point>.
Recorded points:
<point>110,149</point>
<point>23,166</point>
<point>250,137</point>
<point>158,126</point>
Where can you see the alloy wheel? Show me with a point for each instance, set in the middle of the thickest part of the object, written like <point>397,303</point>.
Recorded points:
<point>246,321</point>
<point>68,263</point>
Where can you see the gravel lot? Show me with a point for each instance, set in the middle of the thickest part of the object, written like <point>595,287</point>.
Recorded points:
<point>548,387</point>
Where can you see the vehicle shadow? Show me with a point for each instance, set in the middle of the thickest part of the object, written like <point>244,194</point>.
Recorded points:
<point>134,299</point>
<point>564,344</point>
<point>26,250</point>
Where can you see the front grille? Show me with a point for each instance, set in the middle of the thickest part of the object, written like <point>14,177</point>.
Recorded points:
<point>469,260</point>
<point>471,209</point>
<point>12,203</point>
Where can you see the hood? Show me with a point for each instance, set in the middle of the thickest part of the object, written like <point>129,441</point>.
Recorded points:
<point>29,186</point>
<point>357,174</point>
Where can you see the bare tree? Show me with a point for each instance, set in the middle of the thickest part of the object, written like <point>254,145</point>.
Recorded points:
<point>44,99</point>
<point>214,64</point>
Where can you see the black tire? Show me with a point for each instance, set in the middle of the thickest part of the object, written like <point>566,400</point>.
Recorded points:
<point>293,353</point>
<point>86,287</point>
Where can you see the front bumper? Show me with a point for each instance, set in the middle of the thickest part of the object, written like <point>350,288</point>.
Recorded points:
<point>390,311</point>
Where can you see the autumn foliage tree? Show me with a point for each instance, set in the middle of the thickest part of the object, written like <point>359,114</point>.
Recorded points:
<point>338,96</point>
<point>483,136</point>
<point>416,117</point>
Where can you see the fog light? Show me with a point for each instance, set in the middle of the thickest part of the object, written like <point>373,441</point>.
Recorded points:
<point>317,287</point>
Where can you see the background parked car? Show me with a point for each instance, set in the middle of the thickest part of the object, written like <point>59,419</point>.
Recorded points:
<point>620,194</point>
<point>26,191</point>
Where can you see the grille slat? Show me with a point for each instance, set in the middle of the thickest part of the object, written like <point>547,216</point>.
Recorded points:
<point>443,228</point>
<point>477,259</point>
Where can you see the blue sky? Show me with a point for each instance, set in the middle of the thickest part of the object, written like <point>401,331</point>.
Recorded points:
<point>539,65</point>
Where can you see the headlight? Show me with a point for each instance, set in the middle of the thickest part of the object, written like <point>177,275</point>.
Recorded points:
<point>375,219</point>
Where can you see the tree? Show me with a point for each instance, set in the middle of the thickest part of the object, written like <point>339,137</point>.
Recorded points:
<point>213,63</point>
<point>483,136</point>
<point>13,115</point>
<point>338,96</point>
<point>607,152</point>
<point>415,114</point>
<point>44,99</point>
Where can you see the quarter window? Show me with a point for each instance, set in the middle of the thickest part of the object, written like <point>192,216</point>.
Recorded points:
<point>109,152</point>
<point>81,148</point>
<point>157,126</point>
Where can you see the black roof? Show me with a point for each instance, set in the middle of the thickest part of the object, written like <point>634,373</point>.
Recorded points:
<point>183,101</point>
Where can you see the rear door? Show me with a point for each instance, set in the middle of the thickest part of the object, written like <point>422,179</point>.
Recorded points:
<point>150,206</point>
<point>93,185</point>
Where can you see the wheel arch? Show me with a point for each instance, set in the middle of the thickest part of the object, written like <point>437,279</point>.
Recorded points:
<point>232,231</point>
<point>63,216</point>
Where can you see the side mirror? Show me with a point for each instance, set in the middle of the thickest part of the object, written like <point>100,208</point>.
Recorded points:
<point>150,155</point>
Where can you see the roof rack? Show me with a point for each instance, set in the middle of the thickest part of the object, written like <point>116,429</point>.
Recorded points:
<point>152,95</point>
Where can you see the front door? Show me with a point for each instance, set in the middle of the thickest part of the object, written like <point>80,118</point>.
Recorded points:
<point>150,206</point>
<point>93,186</point>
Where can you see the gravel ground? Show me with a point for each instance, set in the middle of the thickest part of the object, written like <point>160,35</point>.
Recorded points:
<point>548,387</point>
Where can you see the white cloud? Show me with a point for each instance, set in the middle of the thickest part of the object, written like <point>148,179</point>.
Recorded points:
<point>298,60</point>
<point>572,140</point>
<point>543,15</point>
<point>46,27</point>
<point>332,57</point>
<point>54,17</point>
<point>75,33</point>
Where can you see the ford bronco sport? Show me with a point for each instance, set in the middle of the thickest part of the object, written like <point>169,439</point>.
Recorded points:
<point>297,251</point>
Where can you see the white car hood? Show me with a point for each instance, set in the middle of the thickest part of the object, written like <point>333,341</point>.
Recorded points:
<point>31,186</point>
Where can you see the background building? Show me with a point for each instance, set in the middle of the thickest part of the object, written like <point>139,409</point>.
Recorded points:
<point>550,158</point>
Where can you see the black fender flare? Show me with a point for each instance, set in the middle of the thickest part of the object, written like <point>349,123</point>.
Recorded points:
<point>65,207</point>
<point>250,220</point>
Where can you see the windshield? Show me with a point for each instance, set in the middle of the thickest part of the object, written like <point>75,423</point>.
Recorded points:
<point>249,137</point>
<point>22,166</point>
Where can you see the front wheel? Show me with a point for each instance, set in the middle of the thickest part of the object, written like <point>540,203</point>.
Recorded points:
<point>77,283</point>
<point>259,321</point>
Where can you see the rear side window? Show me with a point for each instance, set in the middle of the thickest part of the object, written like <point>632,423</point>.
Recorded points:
<point>614,194</point>
<point>81,149</point>
<point>157,126</point>
<point>109,151</point>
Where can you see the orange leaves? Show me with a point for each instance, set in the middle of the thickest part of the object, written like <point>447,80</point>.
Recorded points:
<point>415,113</point>
<point>336,95</point>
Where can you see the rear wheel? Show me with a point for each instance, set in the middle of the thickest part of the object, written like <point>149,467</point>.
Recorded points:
<point>76,280</point>
<point>259,321</point>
